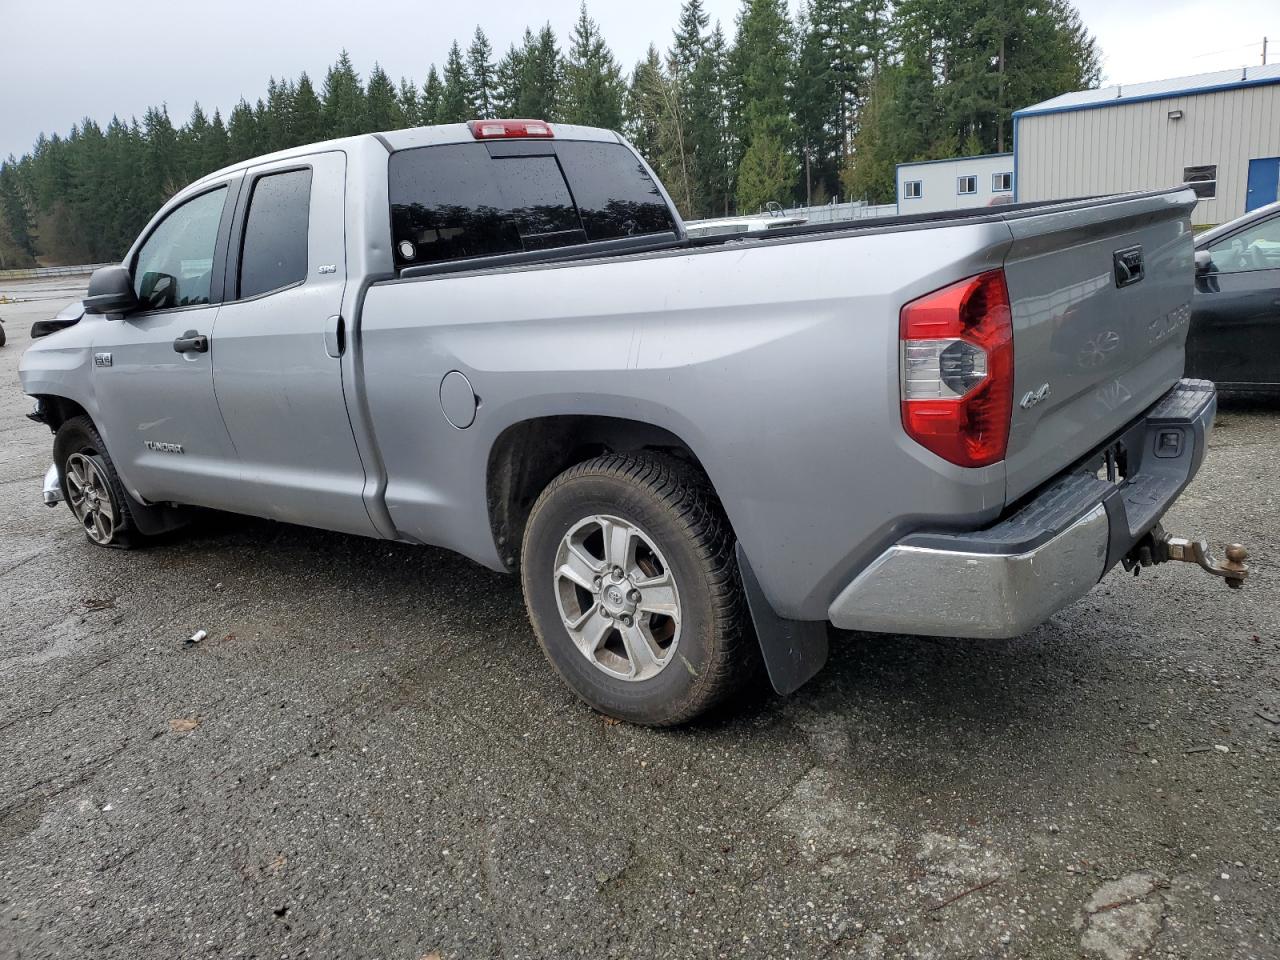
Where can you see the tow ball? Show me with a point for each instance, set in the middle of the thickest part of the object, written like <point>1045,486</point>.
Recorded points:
<point>1160,547</point>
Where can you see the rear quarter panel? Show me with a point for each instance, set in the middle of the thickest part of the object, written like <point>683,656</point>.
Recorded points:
<point>775,362</point>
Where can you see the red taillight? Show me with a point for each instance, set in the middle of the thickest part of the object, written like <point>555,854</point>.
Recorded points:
<point>498,129</point>
<point>957,370</point>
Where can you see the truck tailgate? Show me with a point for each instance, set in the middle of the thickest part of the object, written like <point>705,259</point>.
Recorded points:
<point>1100,292</point>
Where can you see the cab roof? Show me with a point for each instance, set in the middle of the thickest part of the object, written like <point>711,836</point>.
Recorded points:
<point>406,139</point>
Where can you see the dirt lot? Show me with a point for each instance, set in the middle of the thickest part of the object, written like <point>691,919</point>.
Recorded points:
<point>369,758</point>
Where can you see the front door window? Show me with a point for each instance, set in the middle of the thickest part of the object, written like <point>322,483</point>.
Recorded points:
<point>175,265</point>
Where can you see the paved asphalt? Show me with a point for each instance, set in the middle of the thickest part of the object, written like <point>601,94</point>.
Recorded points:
<point>368,757</point>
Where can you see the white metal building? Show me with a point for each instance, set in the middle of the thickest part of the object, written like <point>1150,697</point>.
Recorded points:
<point>928,186</point>
<point>1219,131</point>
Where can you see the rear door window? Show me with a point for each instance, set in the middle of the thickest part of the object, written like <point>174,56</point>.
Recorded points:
<point>458,201</point>
<point>274,252</point>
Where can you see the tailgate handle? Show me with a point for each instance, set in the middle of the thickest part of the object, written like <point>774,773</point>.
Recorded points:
<point>1128,266</point>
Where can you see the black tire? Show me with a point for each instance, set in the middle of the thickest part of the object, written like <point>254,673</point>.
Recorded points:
<point>675,508</point>
<point>3,338</point>
<point>79,436</point>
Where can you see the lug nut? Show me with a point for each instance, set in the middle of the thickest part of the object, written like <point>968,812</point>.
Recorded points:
<point>626,620</point>
<point>617,573</point>
<point>634,596</point>
<point>595,584</point>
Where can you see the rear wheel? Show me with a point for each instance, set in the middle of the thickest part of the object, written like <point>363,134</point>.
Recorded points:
<point>633,590</point>
<point>91,486</point>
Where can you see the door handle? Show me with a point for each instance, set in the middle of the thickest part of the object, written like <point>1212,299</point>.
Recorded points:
<point>335,336</point>
<point>191,341</point>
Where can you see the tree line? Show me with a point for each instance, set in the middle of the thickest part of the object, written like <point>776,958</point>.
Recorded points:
<point>789,109</point>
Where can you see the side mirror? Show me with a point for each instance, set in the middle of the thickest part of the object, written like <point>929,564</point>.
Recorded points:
<point>1204,261</point>
<point>111,292</point>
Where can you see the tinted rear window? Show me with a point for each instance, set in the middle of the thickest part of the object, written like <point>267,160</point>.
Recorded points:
<point>616,197</point>
<point>274,253</point>
<point>457,201</point>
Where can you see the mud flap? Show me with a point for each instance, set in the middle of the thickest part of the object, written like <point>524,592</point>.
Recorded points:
<point>794,650</point>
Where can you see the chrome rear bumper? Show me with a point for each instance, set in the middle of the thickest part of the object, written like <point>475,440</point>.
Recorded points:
<point>1004,580</point>
<point>953,593</point>
<point>52,486</point>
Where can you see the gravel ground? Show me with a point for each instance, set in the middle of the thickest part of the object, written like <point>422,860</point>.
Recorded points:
<point>369,758</point>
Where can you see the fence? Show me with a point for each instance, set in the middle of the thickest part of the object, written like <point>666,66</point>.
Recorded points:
<point>40,273</point>
<point>836,212</point>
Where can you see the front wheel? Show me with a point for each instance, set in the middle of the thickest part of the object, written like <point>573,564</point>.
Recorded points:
<point>91,486</point>
<point>633,590</point>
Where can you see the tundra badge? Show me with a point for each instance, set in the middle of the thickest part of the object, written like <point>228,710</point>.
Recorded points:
<point>159,447</point>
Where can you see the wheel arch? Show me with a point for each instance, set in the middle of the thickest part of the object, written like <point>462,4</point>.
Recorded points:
<point>529,454</point>
<point>54,410</point>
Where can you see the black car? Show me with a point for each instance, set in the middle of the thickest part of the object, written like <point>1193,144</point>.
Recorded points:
<point>1235,311</point>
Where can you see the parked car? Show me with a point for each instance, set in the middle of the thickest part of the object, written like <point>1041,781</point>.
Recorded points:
<point>497,337</point>
<point>1235,311</point>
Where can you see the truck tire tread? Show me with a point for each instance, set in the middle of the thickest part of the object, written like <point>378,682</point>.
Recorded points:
<point>692,504</point>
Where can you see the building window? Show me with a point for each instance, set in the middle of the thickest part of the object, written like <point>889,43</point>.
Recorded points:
<point>1001,182</point>
<point>1202,179</point>
<point>966,185</point>
<point>911,190</point>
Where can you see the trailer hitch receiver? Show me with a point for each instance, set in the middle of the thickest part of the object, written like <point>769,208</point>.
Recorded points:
<point>1160,547</point>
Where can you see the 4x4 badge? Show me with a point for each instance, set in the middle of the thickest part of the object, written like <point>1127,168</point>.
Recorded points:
<point>102,359</point>
<point>1032,397</point>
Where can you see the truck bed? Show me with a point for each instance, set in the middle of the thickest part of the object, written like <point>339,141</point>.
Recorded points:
<point>775,359</point>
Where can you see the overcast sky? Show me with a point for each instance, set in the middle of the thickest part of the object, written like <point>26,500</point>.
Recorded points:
<point>66,59</point>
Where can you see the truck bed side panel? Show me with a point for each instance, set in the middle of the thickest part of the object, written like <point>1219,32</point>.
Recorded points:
<point>777,364</point>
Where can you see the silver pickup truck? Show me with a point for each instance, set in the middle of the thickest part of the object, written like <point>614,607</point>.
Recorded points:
<point>697,453</point>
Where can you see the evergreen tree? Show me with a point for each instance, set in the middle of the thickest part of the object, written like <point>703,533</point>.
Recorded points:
<point>455,100</point>
<point>690,40</point>
<point>480,77</point>
<point>644,106</point>
<point>709,111</point>
<point>242,133</point>
<point>542,73</point>
<point>344,103</point>
<point>381,104</point>
<point>308,114</point>
<point>192,141</point>
<point>17,245</point>
<point>683,116</point>
<point>163,159</point>
<point>593,86</point>
<point>507,77</point>
<point>410,105</point>
<point>275,117</point>
<point>760,70</point>
<point>218,148</point>
<point>432,92</point>
<point>766,173</point>
<point>901,121</point>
